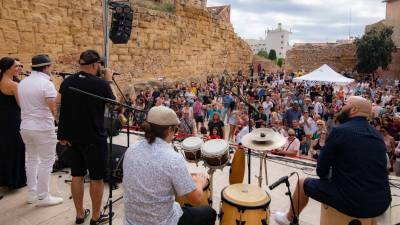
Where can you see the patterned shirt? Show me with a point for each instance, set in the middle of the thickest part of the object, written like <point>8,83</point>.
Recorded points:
<point>152,175</point>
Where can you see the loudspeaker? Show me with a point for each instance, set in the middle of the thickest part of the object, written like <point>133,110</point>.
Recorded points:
<point>121,23</point>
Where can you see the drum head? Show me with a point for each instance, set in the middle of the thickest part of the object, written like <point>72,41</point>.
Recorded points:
<point>245,195</point>
<point>192,143</point>
<point>215,147</point>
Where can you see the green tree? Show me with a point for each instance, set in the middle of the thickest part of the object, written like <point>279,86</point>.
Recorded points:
<point>374,50</point>
<point>280,62</point>
<point>263,54</point>
<point>272,55</point>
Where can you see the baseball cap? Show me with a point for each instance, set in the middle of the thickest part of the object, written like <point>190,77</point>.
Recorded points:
<point>163,116</point>
<point>89,57</point>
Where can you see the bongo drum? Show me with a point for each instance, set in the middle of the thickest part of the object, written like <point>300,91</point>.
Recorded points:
<point>191,148</point>
<point>206,200</point>
<point>215,153</point>
<point>244,204</point>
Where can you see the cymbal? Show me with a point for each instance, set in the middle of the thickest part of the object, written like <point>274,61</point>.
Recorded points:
<point>263,139</point>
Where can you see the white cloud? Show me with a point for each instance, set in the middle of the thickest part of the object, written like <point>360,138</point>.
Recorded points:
<point>309,20</point>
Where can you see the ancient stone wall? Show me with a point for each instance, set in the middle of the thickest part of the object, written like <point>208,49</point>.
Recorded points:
<point>308,57</point>
<point>179,46</point>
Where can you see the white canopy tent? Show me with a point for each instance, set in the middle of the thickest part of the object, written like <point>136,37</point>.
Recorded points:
<point>324,75</point>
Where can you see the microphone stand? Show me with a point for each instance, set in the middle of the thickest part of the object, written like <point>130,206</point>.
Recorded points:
<point>251,109</point>
<point>111,103</point>
<point>123,96</point>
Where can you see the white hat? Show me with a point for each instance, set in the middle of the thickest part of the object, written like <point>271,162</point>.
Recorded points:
<point>163,116</point>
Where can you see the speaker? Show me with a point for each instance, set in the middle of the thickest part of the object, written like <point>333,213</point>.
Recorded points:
<point>121,23</point>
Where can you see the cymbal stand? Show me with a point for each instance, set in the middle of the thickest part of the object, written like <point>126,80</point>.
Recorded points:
<point>263,160</point>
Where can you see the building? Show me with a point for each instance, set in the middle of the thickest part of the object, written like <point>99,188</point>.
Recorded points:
<point>393,19</point>
<point>221,12</point>
<point>276,39</point>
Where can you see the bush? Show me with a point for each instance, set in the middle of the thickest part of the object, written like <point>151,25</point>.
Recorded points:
<point>165,7</point>
<point>280,62</point>
<point>263,54</point>
<point>272,54</point>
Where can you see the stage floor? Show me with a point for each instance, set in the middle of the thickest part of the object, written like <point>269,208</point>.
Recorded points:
<point>14,210</point>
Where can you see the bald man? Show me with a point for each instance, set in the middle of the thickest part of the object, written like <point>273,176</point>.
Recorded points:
<point>355,152</point>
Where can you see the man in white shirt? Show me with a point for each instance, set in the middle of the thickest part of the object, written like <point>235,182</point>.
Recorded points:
<point>291,147</point>
<point>36,95</point>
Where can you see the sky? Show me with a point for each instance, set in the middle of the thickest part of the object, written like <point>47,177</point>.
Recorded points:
<point>309,20</point>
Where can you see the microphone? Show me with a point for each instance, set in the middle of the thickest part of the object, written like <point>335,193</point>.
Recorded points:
<point>280,181</point>
<point>63,74</point>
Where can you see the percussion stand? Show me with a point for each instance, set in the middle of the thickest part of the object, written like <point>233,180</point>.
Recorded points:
<point>295,220</point>
<point>263,160</point>
<point>110,103</point>
<point>211,175</point>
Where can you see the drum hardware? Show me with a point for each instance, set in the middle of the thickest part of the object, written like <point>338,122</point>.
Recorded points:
<point>285,179</point>
<point>260,141</point>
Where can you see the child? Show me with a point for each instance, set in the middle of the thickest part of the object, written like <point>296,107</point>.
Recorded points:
<point>214,134</point>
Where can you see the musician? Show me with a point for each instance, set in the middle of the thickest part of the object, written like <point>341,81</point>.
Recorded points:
<point>81,127</point>
<point>154,172</point>
<point>355,152</point>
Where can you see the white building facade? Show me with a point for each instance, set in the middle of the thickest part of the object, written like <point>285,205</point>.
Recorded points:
<point>277,39</point>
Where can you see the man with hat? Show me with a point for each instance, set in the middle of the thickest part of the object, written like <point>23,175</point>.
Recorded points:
<point>37,96</point>
<point>81,127</point>
<point>351,167</point>
<point>154,174</point>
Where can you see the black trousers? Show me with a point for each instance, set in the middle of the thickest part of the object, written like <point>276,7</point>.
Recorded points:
<point>201,215</point>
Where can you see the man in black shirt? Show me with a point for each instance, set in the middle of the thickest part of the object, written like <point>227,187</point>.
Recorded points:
<point>81,127</point>
<point>355,153</point>
<point>260,118</point>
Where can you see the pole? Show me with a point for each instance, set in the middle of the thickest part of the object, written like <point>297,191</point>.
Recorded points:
<point>105,32</point>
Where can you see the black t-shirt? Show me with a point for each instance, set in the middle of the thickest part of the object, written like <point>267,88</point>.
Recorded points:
<point>260,119</point>
<point>299,132</point>
<point>81,116</point>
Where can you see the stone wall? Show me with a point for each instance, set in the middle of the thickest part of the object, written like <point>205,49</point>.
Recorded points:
<point>308,57</point>
<point>179,46</point>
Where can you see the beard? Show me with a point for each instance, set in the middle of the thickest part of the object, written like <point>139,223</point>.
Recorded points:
<point>343,116</point>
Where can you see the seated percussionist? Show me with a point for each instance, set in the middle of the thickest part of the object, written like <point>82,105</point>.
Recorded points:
<point>356,154</point>
<point>154,172</point>
<point>292,146</point>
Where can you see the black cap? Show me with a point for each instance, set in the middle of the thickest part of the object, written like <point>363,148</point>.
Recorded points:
<point>41,60</point>
<point>89,57</point>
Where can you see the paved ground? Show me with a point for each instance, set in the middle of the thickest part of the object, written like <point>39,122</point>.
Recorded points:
<point>14,211</point>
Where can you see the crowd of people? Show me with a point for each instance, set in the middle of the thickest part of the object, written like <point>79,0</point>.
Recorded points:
<point>213,107</point>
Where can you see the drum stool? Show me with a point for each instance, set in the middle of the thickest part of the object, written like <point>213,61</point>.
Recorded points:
<point>330,216</point>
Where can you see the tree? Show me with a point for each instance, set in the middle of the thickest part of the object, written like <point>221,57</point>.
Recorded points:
<point>263,54</point>
<point>272,55</point>
<point>280,62</point>
<point>374,50</point>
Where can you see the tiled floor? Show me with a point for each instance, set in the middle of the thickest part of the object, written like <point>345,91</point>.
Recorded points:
<point>14,211</point>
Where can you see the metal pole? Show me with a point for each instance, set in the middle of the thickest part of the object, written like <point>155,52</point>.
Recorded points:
<point>105,32</point>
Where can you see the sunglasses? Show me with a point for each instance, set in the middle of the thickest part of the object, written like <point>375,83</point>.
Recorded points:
<point>319,124</point>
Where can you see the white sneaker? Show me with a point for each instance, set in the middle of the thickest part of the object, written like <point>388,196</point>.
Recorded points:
<point>50,200</point>
<point>31,199</point>
<point>281,218</point>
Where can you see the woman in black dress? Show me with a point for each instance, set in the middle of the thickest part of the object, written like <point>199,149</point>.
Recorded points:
<point>12,148</point>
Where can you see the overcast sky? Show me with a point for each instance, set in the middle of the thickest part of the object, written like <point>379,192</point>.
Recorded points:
<point>309,20</point>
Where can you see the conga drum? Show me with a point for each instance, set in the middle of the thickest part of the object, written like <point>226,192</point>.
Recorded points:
<point>330,216</point>
<point>191,148</point>
<point>215,153</point>
<point>206,200</point>
<point>244,204</point>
